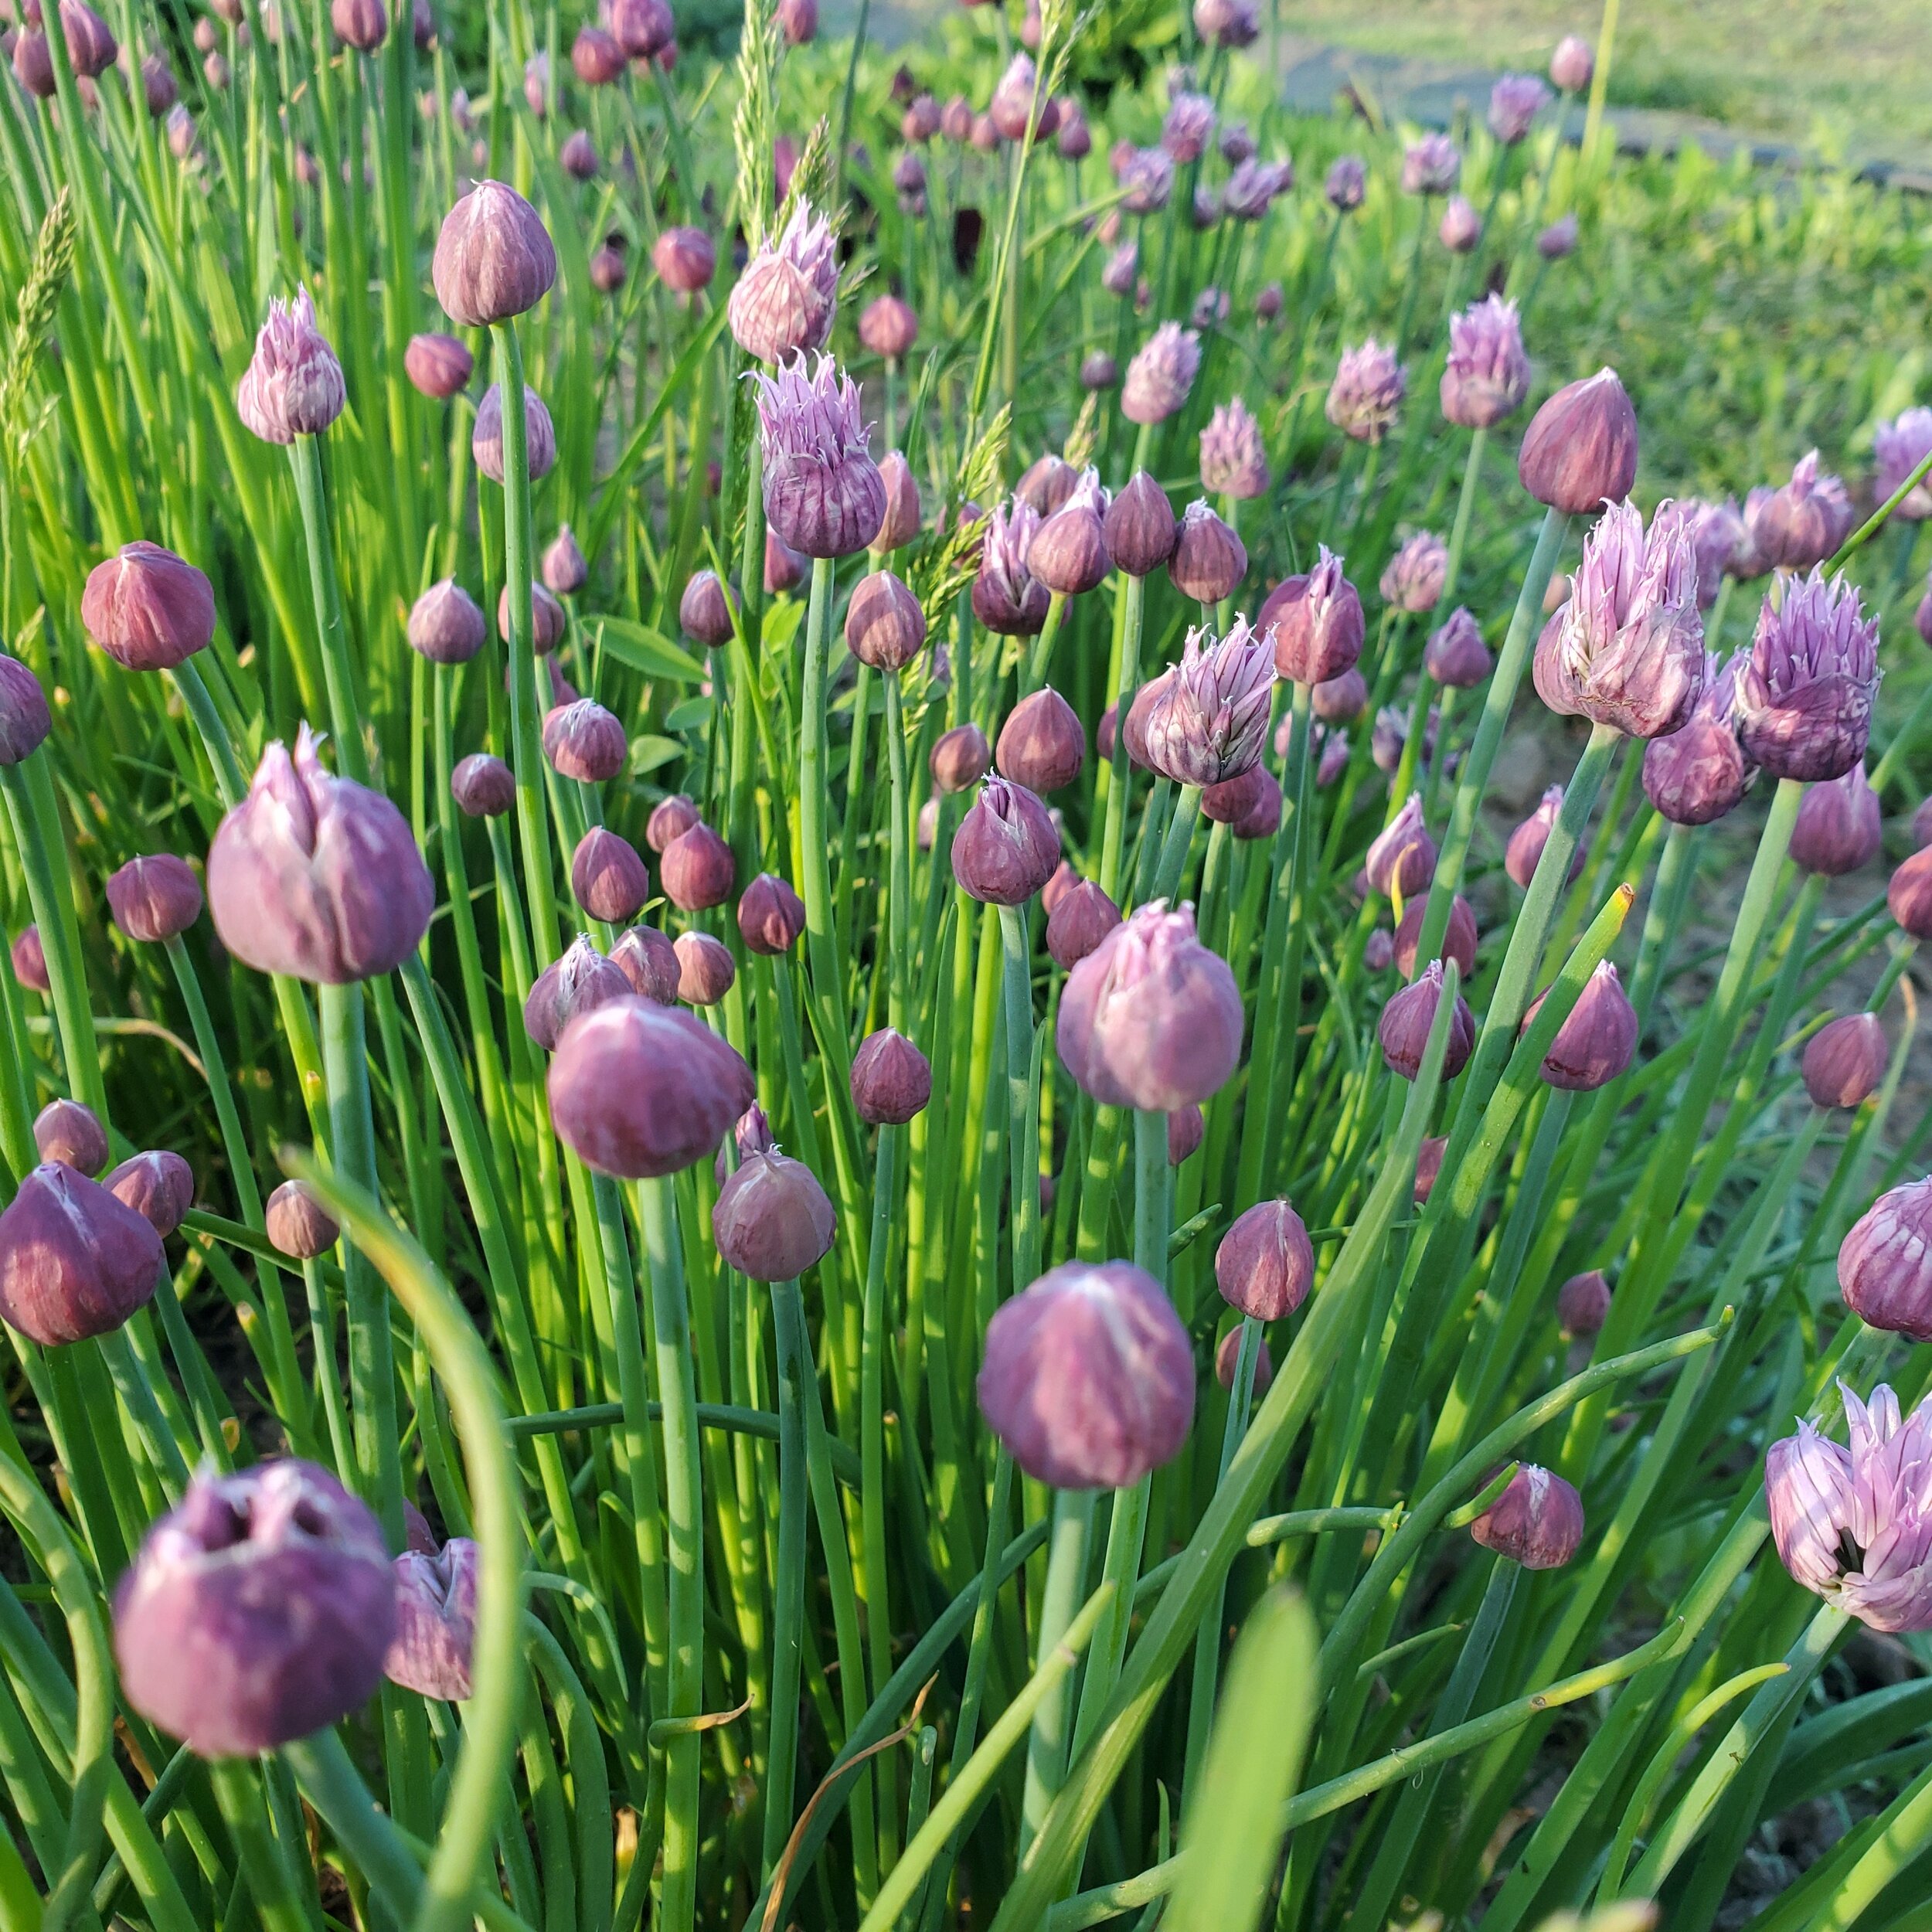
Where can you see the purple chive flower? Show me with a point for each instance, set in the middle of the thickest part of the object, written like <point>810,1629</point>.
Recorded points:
<point>1414,578</point>
<point>539,435</point>
<point>1487,374</point>
<point>256,1612</point>
<point>1007,846</point>
<point>1068,552</point>
<point>1431,166</point>
<point>1401,857</point>
<point>1854,1525</point>
<point>75,1261</point>
<point>892,1081</point>
<point>1122,266</point>
<point>1007,597</point>
<point>1316,622</point>
<point>787,298</point>
<point>494,257</point>
<point>1042,744</point>
<point>1147,175</point>
<point>772,1220</point>
<point>447,624</point>
<point>1254,186</point>
<point>1885,1263</point>
<point>1161,374</point>
<point>147,608</point>
<point>1839,827</point>
<point>1537,1520</point>
<point>1150,1019</point>
<point>1800,523</point>
<point>1898,448</point>
<point>823,491</point>
<point>435,1621</point>
<point>293,384</point>
<point>1265,1264</point>
<point>1805,694</point>
<point>1716,530</point>
<point>1627,649</point>
<point>1227,23</point>
<point>1088,1376</point>
<point>1701,771</point>
<point>1188,128</point>
<point>1347,184</point>
<point>1237,144</point>
<point>1367,389</point>
<point>154,897</point>
<point>1209,560</point>
<point>1011,105</point>
<point>1844,1060</point>
<point>1210,721</point>
<point>1573,64</point>
<point>1559,238</point>
<point>1210,308</point>
<point>315,875</point>
<point>1461,227</point>
<point>1403,1029</point>
<point>1596,1042</point>
<point>1515,102</point>
<point>1233,462</point>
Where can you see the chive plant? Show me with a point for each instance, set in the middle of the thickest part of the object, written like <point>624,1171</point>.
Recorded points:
<point>1105,1286</point>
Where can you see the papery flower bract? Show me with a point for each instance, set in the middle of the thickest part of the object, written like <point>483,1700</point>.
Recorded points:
<point>1455,655</point>
<point>1042,744</point>
<point>1515,102</point>
<point>316,876</point>
<point>1885,1263</point>
<point>1595,1041</point>
<point>494,258</point>
<point>447,624</point>
<point>1404,1028</point>
<point>154,898</point>
<point>1150,1019</point>
<point>1083,918</point>
<point>1487,374</point>
<point>1339,700</point>
<point>578,981</point>
<point>70,1132</point>
<point>1117,278</point>
<point>1898,448</point>
<point>888,326</point>
<point>1525,851</point>
<point>1805,694</point>
<point>1210,721</point>
<point>1233,462</point>
<point>293,384</point>
<point>435,1621</point>
<point>1572,66</point>
<point>1139,528</point>
<point>1209,560</point>
<point>1854,1525</point>
<point>823,492</point>
<point>1161,374</point>
<point>892,1079</point>
<point>1844,1060</point>
<point>1701,770</point>
<point>437,365</point>
<point>25,719</point>
<point>1716,530</point>
<point>1011,105</point>
<point>1367,389</point>
<point>147,608</point>
<point>1069,551</point>
<point>1265,1264</point>
<point>685,260</point>
<point>1316,622</point>
<point>787,298</point>
<point>1627,649</point>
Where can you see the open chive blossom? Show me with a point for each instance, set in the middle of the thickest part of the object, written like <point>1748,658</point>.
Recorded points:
<point>1368,387</point>
<point>1515,102</point>
<point>293,384</point>
<point>1854,1525</point>
<point>786,299</point>
<point>1088,1377</point>
<point>1160,374</point>
<point>1234,461</point>
<point>1805,693</point>
<point>1209,722</point>
<point>1007,597</point>
<point>823,492</point>
<point>1432,165</point>
<point>1486,375</point>
<point>1898,448</point>
<point>258,1611</point>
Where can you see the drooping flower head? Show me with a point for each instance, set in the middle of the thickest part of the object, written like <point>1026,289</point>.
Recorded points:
<point>1515,102</point>
<point>1805,694</point>
<point>823,491</point>
<point>1233,462</point>
<point>1210,721</point>
<point>1701,771</point>
<point>1898,448</point>
<point>1161,374</point>
<point>1627,649</point>
<point>1854,1525</point>
<point>787,298</point>
<point>1367,389</point>
<point>1487,375</point>
<point>1431,166</point>
<point>293,384</point>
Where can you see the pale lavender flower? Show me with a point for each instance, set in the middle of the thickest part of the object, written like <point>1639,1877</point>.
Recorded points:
<point>1347,184</point>
<point>1898,448</point>
<point>1487,374</point>
<point>1211,307</point>
<point>1147,175</point>
<point>1233,462</point>
<point>1515,102</point>
<point>293,384</point>
<point>1415,574</point>
<point>1122,266</point>
<point>823,492</point>
<point>1188,128</point>
<point>1367,389</point>
<point>1431,166</point>
<point>1627,649</point>
<point>1854,1525</point>
<point>1805,697</point>
<point>1210,722</point>
<point>1227,23</point>
<point>1011,105</point>
<point>1716,530</point>
<point>1253,185</point>
<point>787,298</point>
<point>1461,227</point>
<point>1160,374</point>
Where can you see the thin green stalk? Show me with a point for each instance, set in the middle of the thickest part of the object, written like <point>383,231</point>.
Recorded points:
<point>788,1596</point>
<point>1046,1750</point>
<point>345,709</point>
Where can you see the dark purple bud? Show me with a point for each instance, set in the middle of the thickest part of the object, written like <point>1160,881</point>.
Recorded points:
<point>565,572</point>
<point>1099,370</point>
<point>1088,1377</point>
<point>1580,449</point>
<point>1006,847</point>
<point>158,86</point>
<point>1048,482</point>
<point>1263,818</point>
<point>772,1220</point>
<point>1407,1018</point>
<point>639,1090</point>
<point>608,268</point>
<point>298,1224</point>
<point>1537,1520</point>
<point>585,742</point>
<point>547,625</point>
<point>1186,1131</point>
<point>360,24</point>
<point>1378,950</point>
<point>147,609</point>
<point>685,260</point>
<point>1456,655</point>
<point>67,1132</point>
<point>447,624</point>
<point>1844,1060</point>
<point>1458,939</point>
<point>1839,827</point>
<point>438,365</point>
<point>158,1185</point>
<point>1417,572</point>
<point>1317,622</point>
<point>256,1612</point>
<point>1150,1019</point>
<point>643,28</point>
<point>1068,552</point>
<point>697,870</point>
<point>1797,526</point>
<point>1339,700</point>
<point>1402,858</point>
<point>648,960</point>
<point>494,257</point>
<point>670,819</point>
<point>74,1261</point>
<point>1909,896</point>
<point>483,786</point>
<point>1700,772</point>
<point>435,1621</point>
<point>1075,926</point>
<point>1063,881</point>
<point>706,969</point>
<point>1007,597</point>
<point>154,898</point>
<point>578,156</point>
<point>888,326</point>
<point>1347,184</point>
<point>1429,1166</point>
<point>960,757</point>
<point>579,980</point>
<point>1884,1264</point>
<point>1227,1363</point>
<point>608,878</point>
<point>892,1079</point>
<point>1139,528</point>
<point>25,719</point>
<point>1596,1042</point>
<point>1582,1303</point>
<point>596,57</point>
<point>486,438</point>
<point>1231,800</point>
<point>770,915</point>
<point>1210,560</point>
<point>1525,851</point>
<point>704,612</point>
<point>884,627</point>
<point>1265,1264</point>
<point>1042,744</point>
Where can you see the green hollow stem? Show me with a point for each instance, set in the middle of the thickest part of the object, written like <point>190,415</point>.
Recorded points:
<point>873,1346</point>
<point>1066,1572</point>
<point>1111,794</point>
<point>898,835</point>
<point>1024,1205</point>
<point>684,1510</point>
<point>1172,868</point>
<point>821,942</point>
<point>305,462</point>
<point>789,1585</point>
